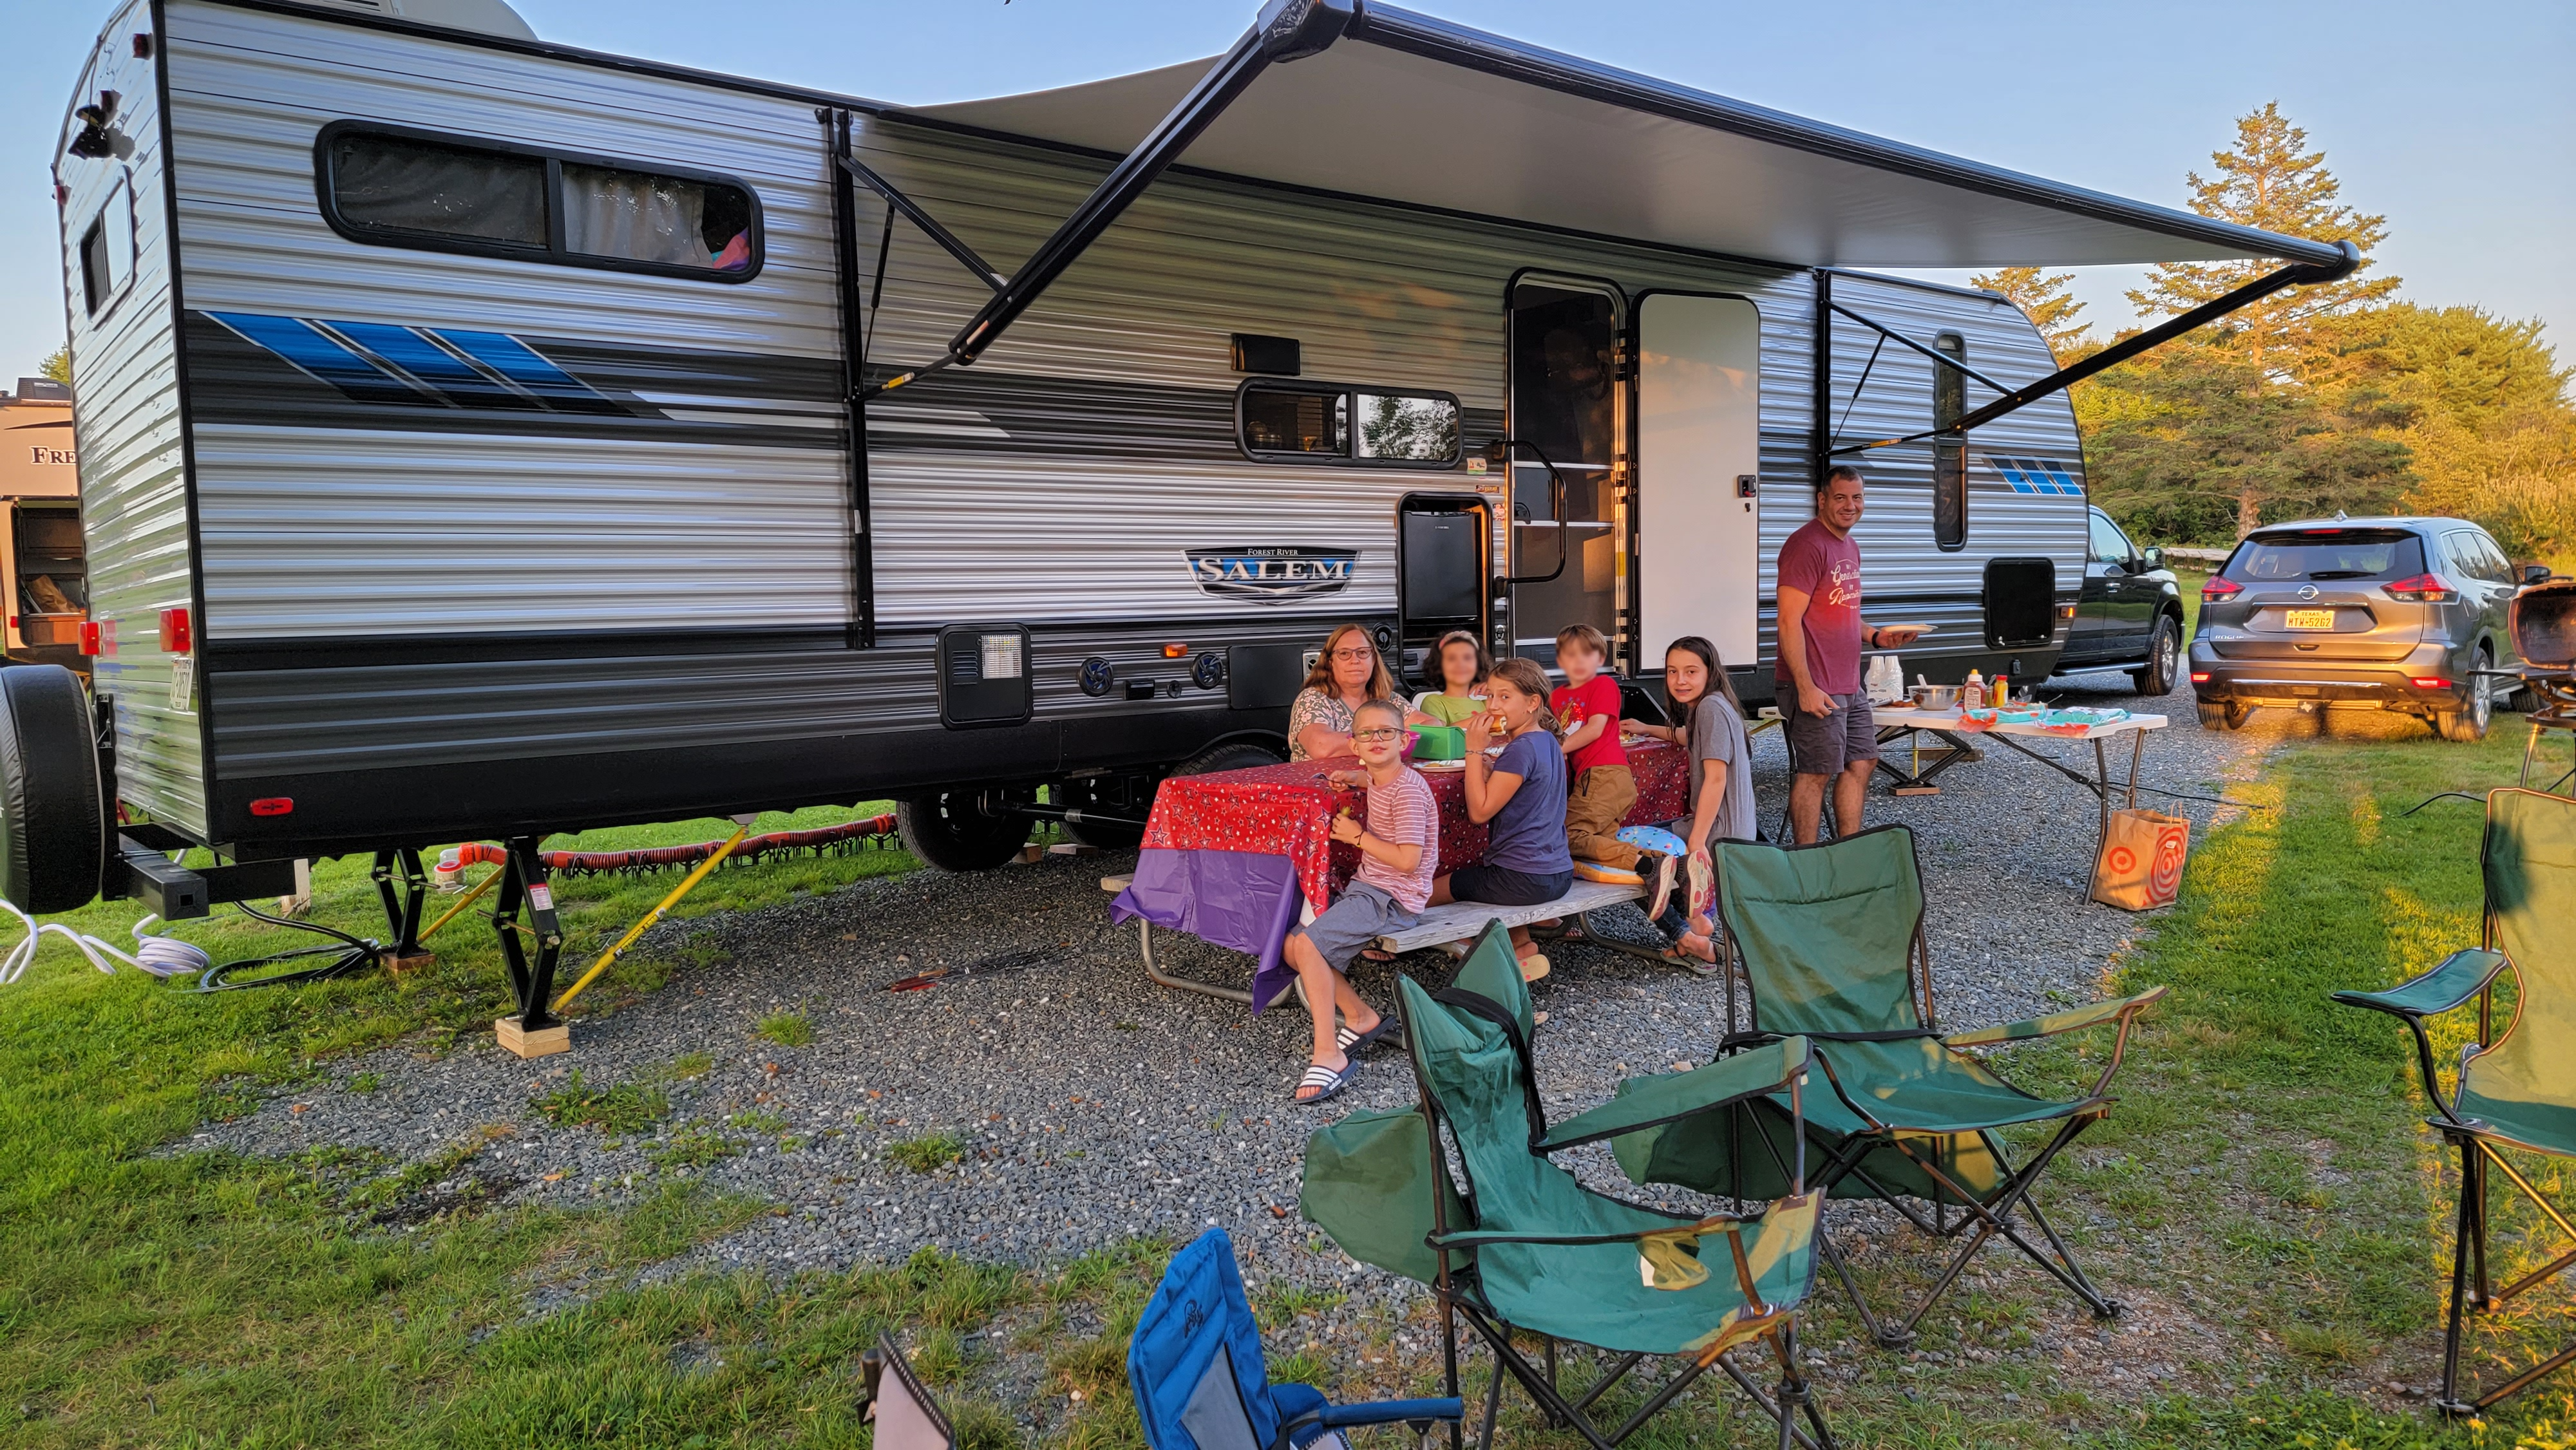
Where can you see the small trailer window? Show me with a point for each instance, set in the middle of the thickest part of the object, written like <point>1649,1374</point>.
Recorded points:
<point>1309,422</point>
<point>107,250</point>
<point>406,189</point>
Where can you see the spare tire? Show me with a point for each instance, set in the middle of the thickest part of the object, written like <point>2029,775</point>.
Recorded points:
<point>53,836</point>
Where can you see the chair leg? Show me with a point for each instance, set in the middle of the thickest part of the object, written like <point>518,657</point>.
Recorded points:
<point>1493,1403</point>
<point>2450,1403</point>
<point>1449,1360</point>
<point>1994,1220</point>
<point>1879,1333</point>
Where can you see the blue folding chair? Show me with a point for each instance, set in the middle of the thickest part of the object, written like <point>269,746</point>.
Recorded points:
<point>1195,1366</point>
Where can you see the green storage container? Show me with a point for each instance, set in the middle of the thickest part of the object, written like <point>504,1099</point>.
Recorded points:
<point>1439,742</point>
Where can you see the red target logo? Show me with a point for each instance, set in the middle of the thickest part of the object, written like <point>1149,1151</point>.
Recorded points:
<point>2123,860</point>
<point>2172,844</point>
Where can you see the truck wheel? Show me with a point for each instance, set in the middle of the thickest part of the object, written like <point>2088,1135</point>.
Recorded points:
<point>950,832</point>
<point>1235,755</point>
<point>2223,715</point>
<point>2469,722</point>
<point>2164,657</point>
<point>53,839</point>
<point>1105,793</point>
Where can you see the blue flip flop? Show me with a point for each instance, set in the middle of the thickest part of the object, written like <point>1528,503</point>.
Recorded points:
<point>1331,1082</point>
<point>1389,1030</point>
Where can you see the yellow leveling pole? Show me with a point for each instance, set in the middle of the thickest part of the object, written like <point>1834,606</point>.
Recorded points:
<point>650,917</point>
<point>479,888</point>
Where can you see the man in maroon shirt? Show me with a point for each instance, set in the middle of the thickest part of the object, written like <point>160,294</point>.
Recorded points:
<point>1817,676</point>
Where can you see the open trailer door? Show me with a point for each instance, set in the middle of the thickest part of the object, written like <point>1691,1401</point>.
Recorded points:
<point>1699,505</point>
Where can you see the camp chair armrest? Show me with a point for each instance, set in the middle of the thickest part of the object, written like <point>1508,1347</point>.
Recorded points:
<point>2118,1009</point>
<point>1473,1237</point>
<point>1659,1098</point>
<point>2451,983</point>
<point>1387,1412</point>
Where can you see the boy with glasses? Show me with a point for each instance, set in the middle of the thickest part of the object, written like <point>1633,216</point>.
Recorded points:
<point>1399,856</point>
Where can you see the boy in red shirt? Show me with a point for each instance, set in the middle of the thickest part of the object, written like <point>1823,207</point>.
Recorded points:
<point>1600,791</point>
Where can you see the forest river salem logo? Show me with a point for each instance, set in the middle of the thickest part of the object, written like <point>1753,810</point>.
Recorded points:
<point>1272,575</point>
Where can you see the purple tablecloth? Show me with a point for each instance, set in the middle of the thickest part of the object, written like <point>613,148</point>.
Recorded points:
<point>1240,899</point>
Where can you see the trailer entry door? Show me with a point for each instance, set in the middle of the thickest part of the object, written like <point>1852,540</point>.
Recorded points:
<point>1699,464</point>
<point>1565,408</point>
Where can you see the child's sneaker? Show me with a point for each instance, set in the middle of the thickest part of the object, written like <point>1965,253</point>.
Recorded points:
<point>1658,870</point>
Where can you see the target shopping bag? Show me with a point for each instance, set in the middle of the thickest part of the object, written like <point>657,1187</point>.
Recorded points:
<point>2142,857</point>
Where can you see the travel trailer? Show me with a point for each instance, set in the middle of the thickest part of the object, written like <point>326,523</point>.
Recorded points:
<point>483,438</point>
<point>43,574</point>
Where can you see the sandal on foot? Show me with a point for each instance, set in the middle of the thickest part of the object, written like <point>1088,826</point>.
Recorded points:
<point>1534,967</point>
<point>1389,1030</point>
<point>1328,1082</point>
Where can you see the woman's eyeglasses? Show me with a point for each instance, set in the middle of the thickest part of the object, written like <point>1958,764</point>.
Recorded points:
<point>1361,653</point>
<point>1379,733</point>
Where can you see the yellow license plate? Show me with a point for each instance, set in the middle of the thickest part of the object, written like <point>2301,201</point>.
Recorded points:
<point>2311,618</point>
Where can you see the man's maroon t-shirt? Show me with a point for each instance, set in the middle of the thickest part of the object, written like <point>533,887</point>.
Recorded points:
<point>1827,569</point>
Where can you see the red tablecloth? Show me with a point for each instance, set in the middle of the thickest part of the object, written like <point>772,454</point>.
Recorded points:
<point>1287,810</point>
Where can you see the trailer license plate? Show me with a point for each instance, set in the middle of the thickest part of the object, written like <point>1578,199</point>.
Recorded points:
<point>2311,619</point>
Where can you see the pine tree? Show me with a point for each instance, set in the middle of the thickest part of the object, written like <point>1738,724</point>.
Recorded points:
<point>2273,181</point>
<point>2044,299</point>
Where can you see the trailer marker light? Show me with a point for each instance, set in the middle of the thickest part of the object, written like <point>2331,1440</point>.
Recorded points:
<point>2429,682</point>
<point>2216,589</point>
<point>2200,677</point>
<point>1175,651</point>
<point>98,638</point>
<point>177,635</point>
<point>273,805</point>
<point>2066,611</point>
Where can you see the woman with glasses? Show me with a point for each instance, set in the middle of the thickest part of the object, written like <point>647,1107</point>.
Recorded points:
<point>1347,675</point>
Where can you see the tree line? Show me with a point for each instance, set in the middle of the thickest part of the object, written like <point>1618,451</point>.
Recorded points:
<point>2343,396</point>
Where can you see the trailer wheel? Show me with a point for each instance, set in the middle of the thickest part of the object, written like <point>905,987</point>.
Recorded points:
<point>1235,755</point>
<point>53,840</point>
<point>950,832</point>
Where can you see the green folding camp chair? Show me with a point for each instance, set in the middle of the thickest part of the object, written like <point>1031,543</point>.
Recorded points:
<point>1828,940</point>
<point>2514,1091</point>
<point>1528,1249</point>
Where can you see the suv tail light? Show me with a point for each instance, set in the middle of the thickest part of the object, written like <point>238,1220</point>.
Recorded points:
<point>2422,589</point>
<point>2217,590</point>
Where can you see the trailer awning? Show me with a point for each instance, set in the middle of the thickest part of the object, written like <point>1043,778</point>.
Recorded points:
<point>1430,113</point>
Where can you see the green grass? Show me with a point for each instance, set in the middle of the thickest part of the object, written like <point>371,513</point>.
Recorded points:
<point>628,1107</point>
<point>787,1029</point>
<point>928,1153</point>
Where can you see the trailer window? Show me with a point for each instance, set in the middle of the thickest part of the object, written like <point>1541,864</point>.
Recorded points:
<point>107,250</point>
<point>398,188</point>
<point>1335,422</point>
<point>1949,453</point>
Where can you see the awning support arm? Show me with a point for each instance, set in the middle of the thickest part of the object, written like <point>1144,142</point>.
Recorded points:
<point>2297,274</point>
<point>948,241</point>
<point>1286,30</point>
<point>1944,359</point>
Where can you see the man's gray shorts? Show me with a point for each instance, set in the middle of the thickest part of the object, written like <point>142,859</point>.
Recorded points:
<point>1357,918</point>
<point>1824,744</point>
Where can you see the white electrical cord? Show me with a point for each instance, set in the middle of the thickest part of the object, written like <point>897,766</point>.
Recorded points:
<point>159,956</point>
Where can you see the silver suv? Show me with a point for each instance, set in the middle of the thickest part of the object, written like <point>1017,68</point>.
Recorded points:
<point>2398,614</point>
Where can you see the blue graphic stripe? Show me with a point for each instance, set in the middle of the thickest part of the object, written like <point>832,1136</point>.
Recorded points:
<point>519,363</point>
<point>432,364</point>
<point>2066,483</point>
<point>298,343</point>
<point>2011,472</point>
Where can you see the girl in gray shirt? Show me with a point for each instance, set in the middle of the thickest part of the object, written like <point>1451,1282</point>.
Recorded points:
<point>1709,722</point>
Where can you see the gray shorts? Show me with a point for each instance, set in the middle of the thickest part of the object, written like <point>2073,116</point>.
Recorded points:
<point>1355,920</point>
<point>1824,744</point>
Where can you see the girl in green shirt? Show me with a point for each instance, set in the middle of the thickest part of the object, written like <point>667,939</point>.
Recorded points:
<point>1463,668</point>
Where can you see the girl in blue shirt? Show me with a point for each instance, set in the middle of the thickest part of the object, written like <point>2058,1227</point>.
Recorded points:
<point>1520,795</point>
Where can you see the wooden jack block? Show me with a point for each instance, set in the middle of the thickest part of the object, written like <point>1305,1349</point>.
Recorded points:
<point>1916,790</point>
<point>544,1042</point>
<point>412,963</point>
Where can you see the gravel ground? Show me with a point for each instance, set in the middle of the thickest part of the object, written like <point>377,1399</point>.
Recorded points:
<point>1092,1106</point>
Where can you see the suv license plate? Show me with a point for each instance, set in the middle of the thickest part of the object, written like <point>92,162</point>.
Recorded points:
<point>2311,618</point>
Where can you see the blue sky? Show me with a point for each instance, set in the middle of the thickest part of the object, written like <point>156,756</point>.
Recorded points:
<point>2456,121</point>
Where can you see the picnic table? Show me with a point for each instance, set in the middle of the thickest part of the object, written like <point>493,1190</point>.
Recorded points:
<point>1237,857</point>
